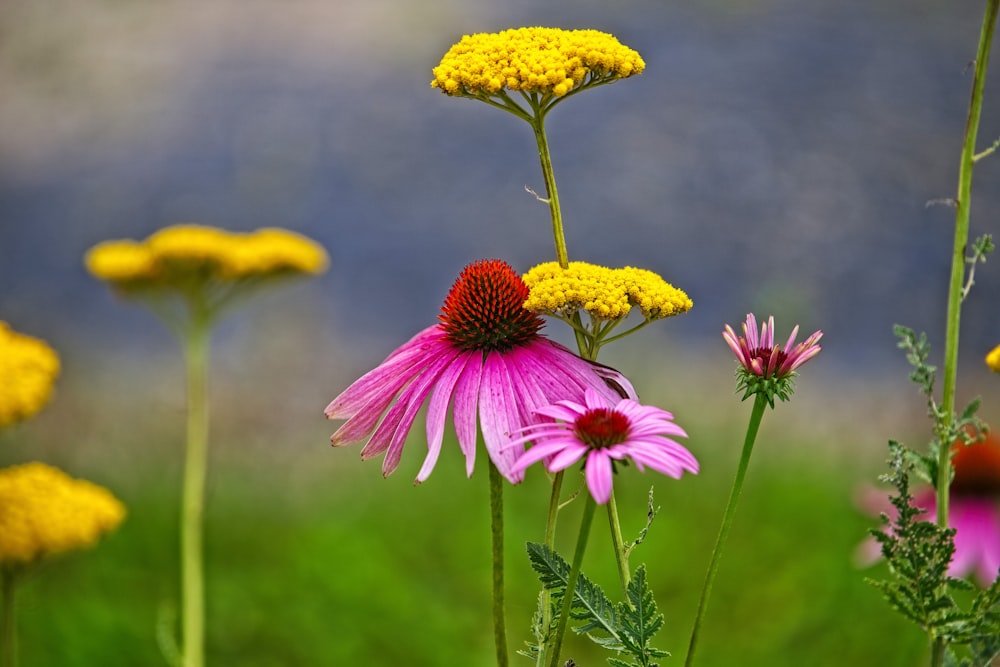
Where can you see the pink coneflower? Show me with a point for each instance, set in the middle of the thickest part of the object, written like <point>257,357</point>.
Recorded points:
<point>604,430</point>
<point>973,511</point>
<point>484,355</point>
<point>765,367</point>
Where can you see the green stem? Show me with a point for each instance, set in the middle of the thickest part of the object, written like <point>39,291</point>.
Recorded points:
<point>538,125</point>
<point>621,557</point>
<point>195,342</point>
<point>496,530</point>
<point>574,574</point>
<point>8,621</point>
<point>550,542</point>
<point>963,201</point>
<point>756,415</point>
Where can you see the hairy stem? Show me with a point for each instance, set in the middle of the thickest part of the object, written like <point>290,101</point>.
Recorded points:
<point>496,530</point>
<point>760,402</point>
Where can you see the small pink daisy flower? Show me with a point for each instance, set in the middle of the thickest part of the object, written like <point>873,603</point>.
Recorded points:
<point>765,367</point>
<point>603,431</point>
<point>973,511</point>
<point>485,355</point>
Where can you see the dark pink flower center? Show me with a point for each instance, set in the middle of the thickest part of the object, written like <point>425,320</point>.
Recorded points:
<point>484,309</point>
<point>765,355</point>
<point>601,427</point>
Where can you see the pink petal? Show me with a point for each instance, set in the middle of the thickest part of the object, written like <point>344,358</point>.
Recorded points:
<point>498,414</point>
<point>598,471</point>
<point>437,413</point>
<point>466,405</point>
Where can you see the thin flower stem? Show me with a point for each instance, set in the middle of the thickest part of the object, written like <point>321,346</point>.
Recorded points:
<point>550,542</point>
<point>760,402</point>
<point>538,125</point>
<point>574,573</point>
<point>195,343</point>
<point>496,530</point>
<point>621,556</point>
<point>8,624</point>
<point>962,209</point>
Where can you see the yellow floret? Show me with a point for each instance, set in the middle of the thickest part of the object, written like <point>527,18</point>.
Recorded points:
<point>547,61</point>
<point>604,293</point>
<point>993,359</point>
<point>121,261</point>
<point>184,255</point>
<point>43,511</point>
<point>28,370</point>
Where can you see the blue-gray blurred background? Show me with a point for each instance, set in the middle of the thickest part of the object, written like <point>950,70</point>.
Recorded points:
<point>776,156</point>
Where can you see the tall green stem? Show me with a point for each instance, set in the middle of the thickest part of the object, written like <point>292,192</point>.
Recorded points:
<point>538,125</point>
<point>496,530</point>
<point>574,574</point>
<point>195,342</point>
<point>8,624</point>
<point>727,520</point>
<point>963,201</point>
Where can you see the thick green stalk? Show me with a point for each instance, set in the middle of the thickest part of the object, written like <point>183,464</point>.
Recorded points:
<point>963,201</point>
<point>550,542</point>
<point>496,530</point>
<point>756,415</point>
<point>195,341</point>
<point>8,624</point>
<point>574,574</point>
<point>538,125</point>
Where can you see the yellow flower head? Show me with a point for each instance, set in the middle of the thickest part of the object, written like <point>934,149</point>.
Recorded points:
<point>993,359</point>
<point>44,511</point>
<point>606,294</point>
<point>547,61</point>
<point>28,369</point>
<point>184,254</point>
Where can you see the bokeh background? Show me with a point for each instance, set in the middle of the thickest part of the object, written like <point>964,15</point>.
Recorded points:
<point>776,156</point>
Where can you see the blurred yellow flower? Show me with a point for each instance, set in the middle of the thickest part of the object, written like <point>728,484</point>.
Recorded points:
<point>44,511</point>
<point>993,359</point>
<point>28,369</point>
<point>545,61</point>
<point>606,294</point>
<point>181,255</point>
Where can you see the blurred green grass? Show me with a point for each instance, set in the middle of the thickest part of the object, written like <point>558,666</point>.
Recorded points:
<point>314,560</point>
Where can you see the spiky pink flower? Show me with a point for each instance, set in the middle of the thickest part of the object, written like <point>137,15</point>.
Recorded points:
<point>603,431</point>
<point>484,356</point>
<point>764,366</point>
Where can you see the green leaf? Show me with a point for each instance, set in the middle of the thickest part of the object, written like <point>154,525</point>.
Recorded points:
<point>590,603</point>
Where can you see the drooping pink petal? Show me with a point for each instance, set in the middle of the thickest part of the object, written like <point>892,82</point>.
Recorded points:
<point>437,414</point>
<point>466,406</point>
<point>381,384</point>
<point>498,414</point>
<point>598,472</point>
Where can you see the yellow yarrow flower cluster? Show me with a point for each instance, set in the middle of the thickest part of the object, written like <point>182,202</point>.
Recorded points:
<point>28,370</point>
<point>182,253</point>
<point>547,61</point>
<point>44,511</point>
<point>993,359</point>
<point>606,294</point>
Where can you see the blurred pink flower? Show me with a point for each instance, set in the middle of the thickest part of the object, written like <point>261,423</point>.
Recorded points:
<point>484,355</point>
<point>604,430</point>
<point>974,511</point>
